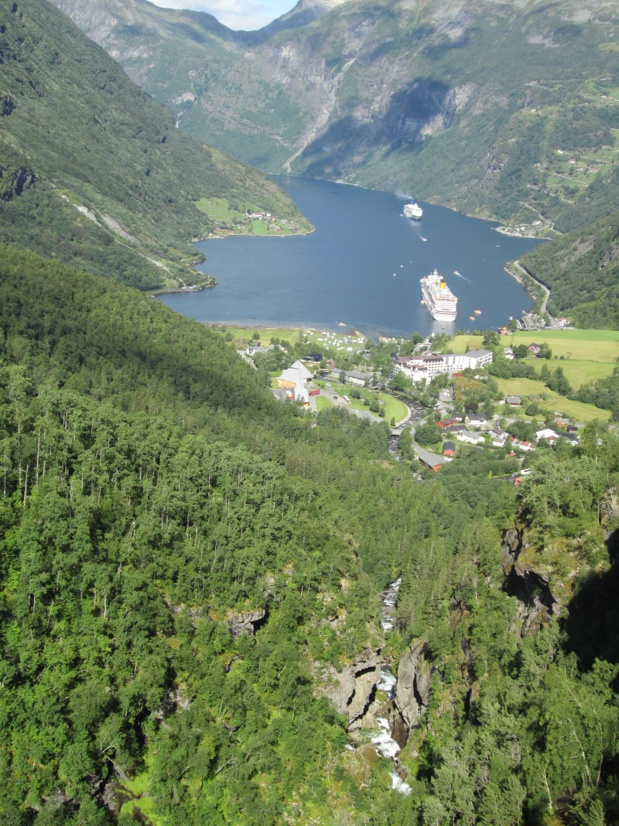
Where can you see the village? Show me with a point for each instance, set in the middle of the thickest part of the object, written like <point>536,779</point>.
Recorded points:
<point>439,405</point>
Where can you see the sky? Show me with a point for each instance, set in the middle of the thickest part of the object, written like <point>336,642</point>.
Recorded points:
<point>236,14</point>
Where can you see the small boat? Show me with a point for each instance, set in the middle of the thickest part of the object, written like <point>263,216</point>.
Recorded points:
<point>477,312</point>
<point>472,317</point>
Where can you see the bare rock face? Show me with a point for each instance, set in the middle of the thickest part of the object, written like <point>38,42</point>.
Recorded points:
<point>530,587</point>
<point>609,509</point>
<point>245,623</point>
<point>414,682</point>
<point>351,690</point>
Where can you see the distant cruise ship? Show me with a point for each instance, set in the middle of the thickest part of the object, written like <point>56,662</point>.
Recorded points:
<point>413,210</point>
<point>438,298</point>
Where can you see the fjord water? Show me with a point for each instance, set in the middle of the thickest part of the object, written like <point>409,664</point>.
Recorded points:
<point>361,267</point>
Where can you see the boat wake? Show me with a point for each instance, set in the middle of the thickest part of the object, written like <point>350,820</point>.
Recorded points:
<point>463,277</point>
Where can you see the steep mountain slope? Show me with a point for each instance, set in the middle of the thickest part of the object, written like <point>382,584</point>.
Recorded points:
<point>582,271</point>
<point>189,577</point>
<point>503,109</point>
<point>92,168</point>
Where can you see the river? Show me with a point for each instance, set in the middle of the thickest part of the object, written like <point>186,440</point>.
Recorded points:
<point>361,267</point>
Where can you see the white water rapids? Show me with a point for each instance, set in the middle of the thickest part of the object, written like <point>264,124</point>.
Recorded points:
<point>383,742</point>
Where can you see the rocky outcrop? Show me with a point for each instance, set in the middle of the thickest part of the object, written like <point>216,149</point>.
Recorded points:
<point>609,509</point>
<point>6,105</point>
<point>530,587</point>
<point>13,182</point>
<point>245,623</point>
<point>414,680</point>
<point>350,690</point>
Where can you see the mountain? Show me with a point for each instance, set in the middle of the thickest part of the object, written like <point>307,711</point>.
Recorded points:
<point>506,110</point>
<point>91,168</point>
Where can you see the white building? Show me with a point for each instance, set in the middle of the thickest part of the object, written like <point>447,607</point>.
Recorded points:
<point>295,378</point>
<point>474,359</point>
<point>435,363</point>
<point>413,368</point>
<point>468,436</point>
<point>547,434</point>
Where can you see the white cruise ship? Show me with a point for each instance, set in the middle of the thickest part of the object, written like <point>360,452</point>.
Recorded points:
<point>413,210</point>
<point>438,298</point>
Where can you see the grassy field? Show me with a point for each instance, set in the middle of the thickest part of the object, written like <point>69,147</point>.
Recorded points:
<point>553,402</point>
<point>393,408</point>
<point>322,402</point>
<point>584,355</point>
<point>230,220</point>
<point>585,345</point>
<point>588,345</point>
<point>244,334</point>
<point>577,372</point>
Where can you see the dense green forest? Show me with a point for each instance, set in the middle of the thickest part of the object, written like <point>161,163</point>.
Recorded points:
<point>157,505</point>
<point>582,271</point>
<point>93,171</point>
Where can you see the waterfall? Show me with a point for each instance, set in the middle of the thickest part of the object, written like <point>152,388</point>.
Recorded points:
<point>384,742</point>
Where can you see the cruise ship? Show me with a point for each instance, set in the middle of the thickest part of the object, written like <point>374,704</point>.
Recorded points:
<point>413,210</point>
<point>438,298</point>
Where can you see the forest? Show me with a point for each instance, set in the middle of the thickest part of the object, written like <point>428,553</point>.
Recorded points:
<point>581,270</point>
<point>181,556</point>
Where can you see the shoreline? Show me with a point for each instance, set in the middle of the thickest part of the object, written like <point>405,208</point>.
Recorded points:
<point>172,290</point>
<point>344,330</point>
<point>515,234</point>
<point>522,275</point>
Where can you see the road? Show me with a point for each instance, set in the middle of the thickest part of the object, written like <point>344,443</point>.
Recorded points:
<point>545,289</point>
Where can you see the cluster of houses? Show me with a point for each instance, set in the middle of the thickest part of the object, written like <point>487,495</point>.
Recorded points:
<point>489,429</point>
<point>423,368</point>
<point>295,380</point>
<point>533,321</point>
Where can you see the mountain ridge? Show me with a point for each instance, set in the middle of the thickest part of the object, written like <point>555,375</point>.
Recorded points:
<point>91,167</point>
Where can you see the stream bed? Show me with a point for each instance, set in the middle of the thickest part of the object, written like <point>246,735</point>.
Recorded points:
<point>384,742</point>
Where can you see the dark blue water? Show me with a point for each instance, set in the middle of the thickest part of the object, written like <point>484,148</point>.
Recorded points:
<point>361,267</point>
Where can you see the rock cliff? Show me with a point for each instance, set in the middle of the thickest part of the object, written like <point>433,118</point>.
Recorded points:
<point>523,581</point>
<point>350,690</point>
<point>414,681</point>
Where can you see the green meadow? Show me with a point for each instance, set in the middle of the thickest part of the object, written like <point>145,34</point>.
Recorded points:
<point>553,402</point>
<point>584,355</point>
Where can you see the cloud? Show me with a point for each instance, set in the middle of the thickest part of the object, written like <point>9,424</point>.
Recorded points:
<point>236,14</point>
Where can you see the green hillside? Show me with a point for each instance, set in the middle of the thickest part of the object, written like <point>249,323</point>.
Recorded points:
<point>156,501</point>
<point>92,169</point>
<point>582,271</point>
